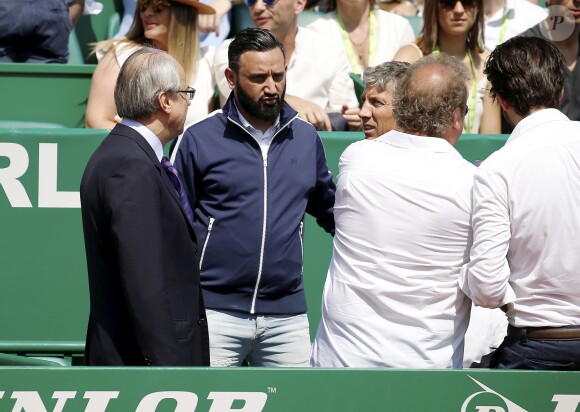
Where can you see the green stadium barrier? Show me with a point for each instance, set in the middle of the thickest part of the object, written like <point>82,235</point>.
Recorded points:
<point>44,307</point>
<point>44,295</point>
<point>52,93</point>
<point>33,389</point>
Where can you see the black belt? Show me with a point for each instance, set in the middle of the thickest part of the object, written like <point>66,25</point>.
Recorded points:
<point>545,333</point>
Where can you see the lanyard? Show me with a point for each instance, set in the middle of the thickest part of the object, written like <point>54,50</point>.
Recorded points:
<point>354,62</point>
<point>503,28</point>
<point>472,95</point>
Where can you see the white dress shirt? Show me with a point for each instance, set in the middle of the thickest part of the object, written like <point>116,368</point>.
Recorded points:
<point>318,72</point>
<point>392,297</point>
<point>392,32</point>
<point>147,134</point>
<point>526,224</point>
<point>514,18</point>
<point>264,139</point>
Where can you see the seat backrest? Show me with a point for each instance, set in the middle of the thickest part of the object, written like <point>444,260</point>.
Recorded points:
<point>416,23</point>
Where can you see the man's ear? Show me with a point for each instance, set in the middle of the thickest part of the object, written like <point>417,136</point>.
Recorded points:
<point>231,78</point>
<point>299,6</point>
<point>502,103</point>
<point>164,102</point>
<point>458,120</point>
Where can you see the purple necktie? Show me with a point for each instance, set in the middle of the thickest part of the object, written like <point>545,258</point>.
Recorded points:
<point>174,177</point>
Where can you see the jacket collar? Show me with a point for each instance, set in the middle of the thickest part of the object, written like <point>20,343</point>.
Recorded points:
<point>287,113</point>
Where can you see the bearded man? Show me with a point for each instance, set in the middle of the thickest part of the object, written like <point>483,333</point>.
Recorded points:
<point>251,171</point>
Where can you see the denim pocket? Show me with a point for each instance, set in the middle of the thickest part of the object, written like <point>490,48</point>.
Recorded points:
<point>551,365</point>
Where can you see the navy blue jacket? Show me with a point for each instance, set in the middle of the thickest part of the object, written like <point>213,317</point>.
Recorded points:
<point>249,209</point>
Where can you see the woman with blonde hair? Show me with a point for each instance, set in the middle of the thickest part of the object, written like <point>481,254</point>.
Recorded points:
<point>455,27</point>
<point>167,25</point>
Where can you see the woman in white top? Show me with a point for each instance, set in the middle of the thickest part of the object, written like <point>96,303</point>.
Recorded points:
<point>455,27</point>
<point>370,35</point>
<point>166,25</point>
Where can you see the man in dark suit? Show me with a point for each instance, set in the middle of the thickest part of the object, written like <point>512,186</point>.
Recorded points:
<point>146,303</point>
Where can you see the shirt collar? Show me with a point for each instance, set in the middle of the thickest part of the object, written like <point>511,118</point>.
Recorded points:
<point>147,134</point>
<point>535,119</point>
<point>422,143</point>
<point>253,130</point>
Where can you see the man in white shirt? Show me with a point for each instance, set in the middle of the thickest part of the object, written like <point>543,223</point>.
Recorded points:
<point>526,219</point>
<point>402,209</point>
<point>319,87</point>
<point>505,19</point>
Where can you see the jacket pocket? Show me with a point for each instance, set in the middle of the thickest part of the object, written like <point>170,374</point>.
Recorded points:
<point>209,228</point>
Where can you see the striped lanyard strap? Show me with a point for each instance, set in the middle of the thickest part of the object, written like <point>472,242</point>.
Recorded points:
<point>469,122</point>
<point>355,63</point>
<point>504,23</point>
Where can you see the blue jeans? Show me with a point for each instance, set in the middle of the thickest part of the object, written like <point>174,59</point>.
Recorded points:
<point>261,340</point>
<point>537,354</point>
<point>34,31</point>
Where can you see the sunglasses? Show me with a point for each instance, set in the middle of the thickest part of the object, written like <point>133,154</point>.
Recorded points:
<point>450,4</point>
<point>269,3</point>
<point>158,5</point>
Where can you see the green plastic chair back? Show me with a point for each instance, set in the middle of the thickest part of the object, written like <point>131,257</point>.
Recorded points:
<point>359,86</point>
<point>416,23</point>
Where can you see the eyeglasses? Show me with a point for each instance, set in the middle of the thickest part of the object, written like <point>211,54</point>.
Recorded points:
<point>269,3</point>
<point>450,4</point>
<point>158,5</point>
<point>190,92</point>
<point>465,110</point>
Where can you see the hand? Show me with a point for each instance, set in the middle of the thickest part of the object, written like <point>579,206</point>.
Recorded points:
<point>311,112</point>
<point>352,118</point>
<point>211,22</point>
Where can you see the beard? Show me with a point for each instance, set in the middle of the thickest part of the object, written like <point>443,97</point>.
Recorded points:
<point>258,109</point>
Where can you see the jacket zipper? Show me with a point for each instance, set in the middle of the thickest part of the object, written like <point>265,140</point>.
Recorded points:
<point>263,245</point>
<point>302,247</point>
<point>209,226</point>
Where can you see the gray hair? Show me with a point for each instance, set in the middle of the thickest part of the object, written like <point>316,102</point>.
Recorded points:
<point>144,75</point>
<point>426,105</point>
<point>381,75</point>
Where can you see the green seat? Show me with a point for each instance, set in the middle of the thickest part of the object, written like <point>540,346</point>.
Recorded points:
<point>15,360</point>
<point>75,55</point>
<point>240,19</point>
<point>359,86</point>
<point>416,23</point>
<point>25,124</point>
<point>114,24</point>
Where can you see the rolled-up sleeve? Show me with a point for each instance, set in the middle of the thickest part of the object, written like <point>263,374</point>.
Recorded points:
<point>485,279</point>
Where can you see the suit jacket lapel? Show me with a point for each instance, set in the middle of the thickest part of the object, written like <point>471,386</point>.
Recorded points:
<point>143,144</point>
